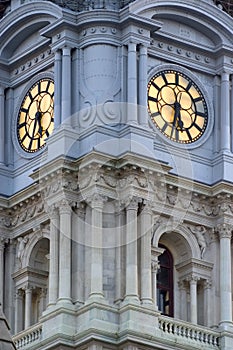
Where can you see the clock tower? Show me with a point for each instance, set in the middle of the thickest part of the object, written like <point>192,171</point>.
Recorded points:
<point>116,174</point>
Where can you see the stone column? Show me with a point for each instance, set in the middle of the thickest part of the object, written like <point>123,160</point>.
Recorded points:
<point>96,249</point>
<point>43,294</point>
<point>28,306</point>
<point>225,113</point>
<point>143,114</point>
<point>57,88</point>
<point>119,244</point>
<point>193,298</point>
<point>145,234</point>
<point>131,252</point>
<point>207,303</point>
<point>53,256</point>
<point>78,259</point>
<point>154,270</point>
<point>2,125</point>
<point>65,253</point>
<point>132,84</point>
<point>2,247</point>
<point>183,296</point>
<point>225,233</point>
<point>66,83</point>
<point>18,311</point>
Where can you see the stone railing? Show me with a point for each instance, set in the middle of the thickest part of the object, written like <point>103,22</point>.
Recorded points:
<point>28,336</point>
<point>201,335</point>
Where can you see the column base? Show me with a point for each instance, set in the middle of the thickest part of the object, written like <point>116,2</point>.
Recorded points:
<point>64,301</point>
<point>96,297</point>
<point>131,299</point>
<point>226,326</point>
<point>147,301</point>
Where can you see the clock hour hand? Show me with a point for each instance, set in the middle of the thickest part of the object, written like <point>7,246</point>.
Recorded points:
<point>38,117</point>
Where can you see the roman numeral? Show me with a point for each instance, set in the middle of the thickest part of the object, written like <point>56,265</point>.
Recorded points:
<point>47,133</point>
<point>22,125</point>
<point>155,86</point>
<point>164,78</point>
<point>155,114</point>
<point>188,134</point>
<point>177,79</point>
<point>23,138</point>
<point>200,114</point>
<point>24,110</point>
<point>48,85</point>
<point>189,86</point>
<point>197,126</point>
<point>197,99</point>
<point>164,127</point>
<point>151,98</point>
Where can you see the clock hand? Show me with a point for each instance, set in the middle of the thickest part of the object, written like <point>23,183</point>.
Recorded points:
<point>38,117</point>
<point>177,117</point>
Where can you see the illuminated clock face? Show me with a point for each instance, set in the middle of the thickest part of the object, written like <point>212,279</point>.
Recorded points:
<point>177,107</point>
<point>36,116</point>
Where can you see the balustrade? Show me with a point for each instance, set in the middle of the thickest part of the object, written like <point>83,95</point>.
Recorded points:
<point>189,331</point>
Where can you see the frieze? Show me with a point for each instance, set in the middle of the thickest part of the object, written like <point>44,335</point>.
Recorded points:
<point>180,52</point>
<point>33,62</point>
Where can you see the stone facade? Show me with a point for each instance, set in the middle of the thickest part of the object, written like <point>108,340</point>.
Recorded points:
<point>114,236</point>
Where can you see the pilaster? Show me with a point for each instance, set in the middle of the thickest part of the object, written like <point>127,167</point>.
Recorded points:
<point>132,84</point>
<point>54,256</point>
<point>2,125</point>
<point>65,252</point>
<point>225,112</point>
<point>225,234</point>
<point>96,291</point>
<point>145,234</point>
<point>131,293</point>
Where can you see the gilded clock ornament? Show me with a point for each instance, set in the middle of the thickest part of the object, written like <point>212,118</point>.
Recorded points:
<point>36,116</point>
<point>177,106</point>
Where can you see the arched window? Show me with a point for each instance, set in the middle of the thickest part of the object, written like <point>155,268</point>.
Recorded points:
<point>165,283</point>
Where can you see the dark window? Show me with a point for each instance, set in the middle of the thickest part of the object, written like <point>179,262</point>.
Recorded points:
<point>165,283</point>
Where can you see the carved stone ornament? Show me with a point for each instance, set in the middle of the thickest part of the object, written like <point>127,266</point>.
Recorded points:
<point>199,233</point>
<point>224,231</point>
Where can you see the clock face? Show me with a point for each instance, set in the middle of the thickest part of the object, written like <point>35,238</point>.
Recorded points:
<point>36,116</point>
<point>177,107</point>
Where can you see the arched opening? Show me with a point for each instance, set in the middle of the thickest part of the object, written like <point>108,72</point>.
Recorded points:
<point>165,283</point>
<point>39,266</point>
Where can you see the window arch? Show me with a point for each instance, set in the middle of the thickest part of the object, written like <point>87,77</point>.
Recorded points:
<point>165,283</point>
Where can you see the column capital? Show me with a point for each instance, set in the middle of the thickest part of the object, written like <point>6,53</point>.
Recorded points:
<point>146,207</point>
<point>182,284</point>
<point>132,46</point>
<point>224,231</point>
<point>96,201</point>
<point>154,264</point>
<point>143,49</point>
<point>132,203</point>
<point>207,284</point>
<point>192,279</point>
<point>65,207</point>
<point>66,50</point>
<point>52,211</point>
<point>225,75</point>
<point>19,293</point>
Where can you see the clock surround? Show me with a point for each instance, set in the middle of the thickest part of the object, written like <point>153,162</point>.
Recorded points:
<point>177,106</point>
